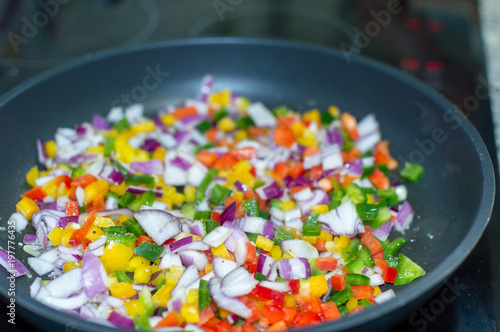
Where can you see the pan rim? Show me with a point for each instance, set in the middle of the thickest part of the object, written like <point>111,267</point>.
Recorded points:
<point>437,276</point>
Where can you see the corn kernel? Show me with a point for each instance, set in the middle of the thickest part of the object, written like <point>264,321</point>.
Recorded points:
<point>142,275</point>
<point>32,175</point>
<point>351,304</point>
<point>321,209</point>
<point>50,149</point>
<point>226,124</point>
<point>27,207</point>
<point>55,236</point>
<point>264,243</point>
<point>276,252</point>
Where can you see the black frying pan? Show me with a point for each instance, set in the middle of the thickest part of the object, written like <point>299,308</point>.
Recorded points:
<point>453,200</point>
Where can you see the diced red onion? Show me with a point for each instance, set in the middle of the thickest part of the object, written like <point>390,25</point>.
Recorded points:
<point>98,122</point>
<point>303,195</point>
<point>299,248</point>
<point>334,136</point>
<point>241,186</point>
<point>404,217</point>
<point>382,233</point>
<point>12,264</point>
<point>368,142</point>
<point>269,191</point>
<point>332,157</point>
<point>41,233</point>
<point>196,228</point>
<point>355,167</point>
<point>223,266</point>
<point>30,239</point>
<point>320,197</point>
<point>51,218</point>
<point>120,321</point>
<point>268,231</point>
<point>111,174</point>
<point>153,166</point>
<point>181,163</point>
<point>177,245</point>
<point>20,221</point>
<point>65,220</point>
<point>159,225</point>
<point>42,154</point>
<point>193,257</point>
<point>67,284</point>
<point>225,302</point>
<point>260,115</point>
<point>229,213</point>
<point>237,233</point>
<point>264,264</point>
<point>273,273</point>
<point>189,275</point>
<point>292,214</point>
<point>94,277</point>
<point>150,145</point>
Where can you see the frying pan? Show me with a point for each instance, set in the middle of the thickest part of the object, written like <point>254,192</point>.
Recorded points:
<point>453,200</point>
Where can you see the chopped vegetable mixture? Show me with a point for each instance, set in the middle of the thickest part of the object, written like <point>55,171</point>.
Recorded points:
<point>217,215</point>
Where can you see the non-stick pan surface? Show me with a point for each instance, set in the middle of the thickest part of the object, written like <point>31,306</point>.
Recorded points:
<point>453,200</point>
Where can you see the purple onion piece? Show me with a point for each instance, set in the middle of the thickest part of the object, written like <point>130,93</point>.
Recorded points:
<point>12,264</point>
<point>98,122</point>
<point>120,321</point>
<point>150,145</point>
<point>229,213</point>
<point>30,239</point>
<point>174,246</point>
<point>181,163</point>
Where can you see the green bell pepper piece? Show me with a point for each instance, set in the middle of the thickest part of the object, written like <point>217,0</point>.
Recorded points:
<point>122,125</point>
<point>209,225</point>
<point>202,188</point>
<point>411,172</point>
<point>122,276</point>
<point>251,206</point>
<point>149,251</point>
<point>355,266</point>
<point>134,227</point>
<point>219,194</point>
<point>366,257</point>
<point>312,227</point>
<point>341,297</point>
<point>350,250</point>
<point>356,279</point>
<point>136,180</point>
<point>283,234</point>
<point>366,211</point>
<point>203,295</point>
<point>408,270</point>
<point>146,198</point>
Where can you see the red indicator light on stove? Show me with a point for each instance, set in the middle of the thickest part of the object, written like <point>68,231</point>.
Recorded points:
<point>413,23</point>
<point>409,64</point>
<point>434,66</point>
<point>435,26</point>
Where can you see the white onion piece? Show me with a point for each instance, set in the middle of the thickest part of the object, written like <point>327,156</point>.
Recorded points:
<point>223,266</point>
<point>35,287</point>
<point>303,195</point>
<point>159,225</point>
<point>238,282</point>
<point>94,277</point>
<point>273,272</point>
<point>299,248</point>
<point>344,220</point>
<point>40,266</point>
<point>225,302</point>
<point>278,286</point>
<point>168,260</point>
<point>385,296</point>
<point>80,196</point>
<point>217,236</point>
<point>240,250</point>
<point>20,221</point>
<point>189,276</point>
<point>376,280</point>
<point>67,284</point>
<point>192,257</point>
<point>252,224</point>
<point>65,303</point>
<point>261,115</point>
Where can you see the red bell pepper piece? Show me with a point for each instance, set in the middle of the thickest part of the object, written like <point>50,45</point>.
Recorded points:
<point>72,209</point>
<point>79,235</point>
<point>263,293</point>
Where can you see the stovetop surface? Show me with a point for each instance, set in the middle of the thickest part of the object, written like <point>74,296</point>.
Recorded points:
<point>439,42</point>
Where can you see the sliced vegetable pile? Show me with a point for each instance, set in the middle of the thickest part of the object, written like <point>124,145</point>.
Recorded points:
<point>217,215</point>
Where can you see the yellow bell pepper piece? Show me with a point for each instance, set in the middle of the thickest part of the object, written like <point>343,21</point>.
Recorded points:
<point>95,149</point>
<point>189,193</point>
<point>221,251</point>
<point>312,115</point>
<point>68,266</point>
<point>311,239</point>
<point>119,221</point>
<point>119,189</point>
<point>32,175</point>
<point>334,111</point>
<point>193,295</point>
<point>50,149</point>
<point>55,236</point>
<point>122,290</point>
<point>116,256</point>
<point>142,275</point>
<point>222,98</point>
<point>94,233</point>
<point>226,124</point>
<point>376,291</point>
<point>330,246</point>
<point>161,297</point>
<point>159,153</point>
<point>190,312</point>
<point>95,188</point>
<point>50,188</point>
<point>321,209</point>
<point>27,207</point>
<point>290,300</point>
<point>134,307</point>
<point>143,127</point>
<point>136,263</point>
<point>276,252</point>
<point>241,135</point>
<point>307,141</point>
<point>286,256</point>
<point>174,275</point>
<point>264,243</point>
<point>340,243</point>
<point>242,104</point>
<point>326,236</point>
<point>351,304</point>
<point>208,268</point>
<point>287,206</point>
<point>168,119</point>
<point>318,285</point>
<point>297,129</point>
